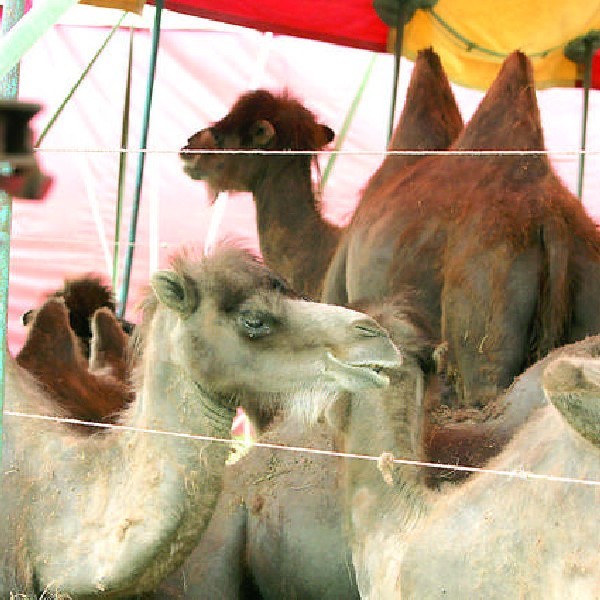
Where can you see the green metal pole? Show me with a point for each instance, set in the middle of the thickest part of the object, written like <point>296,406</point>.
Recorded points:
<point>124,290</point>
<point>587,80</point>
<point>122,165</point>
<point>397,58</point>
<point>9,88</point>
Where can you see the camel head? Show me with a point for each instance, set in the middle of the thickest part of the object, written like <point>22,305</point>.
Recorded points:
<point>259,120</point>
<point>237,330</point>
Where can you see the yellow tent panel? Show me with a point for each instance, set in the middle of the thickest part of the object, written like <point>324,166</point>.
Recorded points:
<point>135,6</point>
<point>474,37</point>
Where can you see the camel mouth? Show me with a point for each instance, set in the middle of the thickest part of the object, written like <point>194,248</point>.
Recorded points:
<point>360,374</point>
<point>191,169</point>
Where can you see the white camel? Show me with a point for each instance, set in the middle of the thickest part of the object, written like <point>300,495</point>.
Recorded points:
<point>492,536</point>
<point>111,514</point>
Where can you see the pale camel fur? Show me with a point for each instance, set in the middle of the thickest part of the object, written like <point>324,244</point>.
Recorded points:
<point>112,514</point>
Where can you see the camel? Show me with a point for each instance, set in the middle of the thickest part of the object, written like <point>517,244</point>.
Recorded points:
<point>295,240</point>
<point>491,535</point>
<point>279,527</point>
<point>95,390</point>
<point>89,379</point>
<point>272,500</point>
<point>113,514</point>
<point>83,296</point>
<point>505,257</point>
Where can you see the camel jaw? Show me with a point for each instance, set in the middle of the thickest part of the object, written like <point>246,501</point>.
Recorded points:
<point>193,171</point>
<point>357,375</point>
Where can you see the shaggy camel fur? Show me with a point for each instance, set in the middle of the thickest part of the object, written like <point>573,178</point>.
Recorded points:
<point>502,253</point>
<point>295,240</point>
<point>272,499</point>
<point>91,391</point>
<point>492,536</point>
<point>430,120</point>
<point>83,296</point>
<point>113,514</point>
<point>279,527</point>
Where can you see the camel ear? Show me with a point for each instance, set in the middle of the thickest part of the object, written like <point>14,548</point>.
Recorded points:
<point>262,133</point>
<point>175,291</point>
<point>328,134</point>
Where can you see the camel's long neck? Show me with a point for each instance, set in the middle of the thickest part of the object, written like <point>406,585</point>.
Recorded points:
<point>389,421</point>
<point>142,499</point>
<point>295,239</point>
<point>385,503</point>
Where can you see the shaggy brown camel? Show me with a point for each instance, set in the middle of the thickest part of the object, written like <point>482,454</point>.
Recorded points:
<point>90,391</point>
<point>89,380</point>
<point>295,240</point>
<point>501,252</point>
<point>493,536</point>
<point>83,296</point>
<point>112,514</point>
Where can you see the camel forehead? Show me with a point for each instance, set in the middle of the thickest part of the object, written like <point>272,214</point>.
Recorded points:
<point>261,104</point>
<point>231,277</point>
<point>297,128</point>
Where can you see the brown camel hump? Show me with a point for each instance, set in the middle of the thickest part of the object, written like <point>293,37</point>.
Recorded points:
<point>296,127</point>
<point>83,296</point>
<point>430,119</point>
<point>508,117</point>
<point>50,337</point>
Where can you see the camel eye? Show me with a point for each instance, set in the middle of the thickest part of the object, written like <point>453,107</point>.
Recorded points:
<point>255,325</point>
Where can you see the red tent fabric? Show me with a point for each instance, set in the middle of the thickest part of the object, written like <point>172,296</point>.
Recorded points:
<point>352,23</point>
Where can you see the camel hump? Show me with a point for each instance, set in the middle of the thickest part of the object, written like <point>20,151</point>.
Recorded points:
<point>82,297</point>
<point>50,337</point>
<point>431,119</point>
<point>508,117</point>
<point>109,344</point>
<point>107,333</point>
<point>572,384</point>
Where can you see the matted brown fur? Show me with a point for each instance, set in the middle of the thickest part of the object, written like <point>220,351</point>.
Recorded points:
<point>430,120</point>
<point>504,255</point>
<point>52,355</point>
<point>295,239</point>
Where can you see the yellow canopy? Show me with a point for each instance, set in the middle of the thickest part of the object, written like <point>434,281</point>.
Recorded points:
<point>473,37</point>
<point>135,6</point>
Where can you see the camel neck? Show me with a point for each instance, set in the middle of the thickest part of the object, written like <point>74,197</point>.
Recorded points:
<point>285,197</point>
<point>295,239</point>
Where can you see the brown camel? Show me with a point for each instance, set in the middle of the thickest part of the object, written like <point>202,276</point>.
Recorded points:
<point>83,296</point>
<point>502,253</point>
<point>111,515</point>
<point>90,391</point>
<point>295,240</point>
<point>89,380</point>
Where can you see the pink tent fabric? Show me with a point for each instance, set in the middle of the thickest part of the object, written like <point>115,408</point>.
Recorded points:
<point>201,71</point>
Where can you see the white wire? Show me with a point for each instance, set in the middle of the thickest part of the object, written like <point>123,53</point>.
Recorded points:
<point>330,152</point>
<point>519,474</point>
